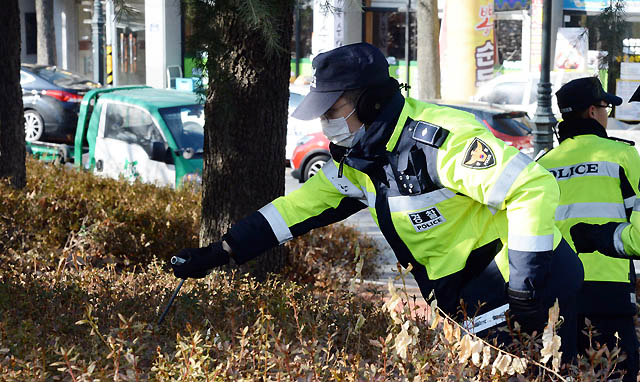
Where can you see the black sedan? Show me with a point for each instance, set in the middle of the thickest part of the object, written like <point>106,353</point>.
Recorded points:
<point>51,99</point>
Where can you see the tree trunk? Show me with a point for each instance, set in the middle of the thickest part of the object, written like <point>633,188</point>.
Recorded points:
<point>246,121</point>
<point>12,147</point>
<point>428,50</point>
<point>46,33</point>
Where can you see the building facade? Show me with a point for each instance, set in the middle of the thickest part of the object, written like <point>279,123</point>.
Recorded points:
<point>142,44</point>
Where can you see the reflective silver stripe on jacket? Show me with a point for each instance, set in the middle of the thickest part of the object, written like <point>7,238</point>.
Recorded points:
<point>591,210</point>
<point>617,239</point>
<point>531,243</point>
<point>371,199</point>
<point>277,223</point>
<point>343,184</point>
<point>636,205</point>
<point>510,173</point>
<point>609,169</point>
<point>631,202</point>
<point>417,202</point>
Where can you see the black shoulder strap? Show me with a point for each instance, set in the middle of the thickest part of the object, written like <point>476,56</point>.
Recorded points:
<point>428,133</point>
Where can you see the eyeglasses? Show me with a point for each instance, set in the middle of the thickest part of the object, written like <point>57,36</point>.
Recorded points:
<point>608,107</point>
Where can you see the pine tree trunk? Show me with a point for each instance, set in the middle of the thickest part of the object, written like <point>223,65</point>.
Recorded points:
<point>246,120</point>
<point>12,147</point>
<point>46,33</point>
<point>428,50</point>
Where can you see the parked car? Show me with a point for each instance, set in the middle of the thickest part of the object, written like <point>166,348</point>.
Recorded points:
<point>51,98</point>
<point>312,151</point>
<point>309,155</point>
<point>519,91</point>
<point>510,126</point>
<point>296,129</point>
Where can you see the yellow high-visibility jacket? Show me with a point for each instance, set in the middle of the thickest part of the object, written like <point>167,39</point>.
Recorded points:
<point>598,179</point>
<point>447,195</point>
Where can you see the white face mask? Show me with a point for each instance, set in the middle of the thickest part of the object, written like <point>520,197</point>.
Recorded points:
<point>337,130</point>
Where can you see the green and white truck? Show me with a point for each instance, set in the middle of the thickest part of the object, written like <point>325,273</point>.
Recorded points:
<point>135,132</point>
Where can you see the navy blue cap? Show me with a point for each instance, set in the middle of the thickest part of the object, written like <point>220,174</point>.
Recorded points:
<point>349,67</point>
<point>581,93</point>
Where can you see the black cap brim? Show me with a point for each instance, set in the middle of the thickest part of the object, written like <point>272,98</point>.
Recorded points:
<point>636,95</point>
<point>612,99</point>
<point>315,104</point>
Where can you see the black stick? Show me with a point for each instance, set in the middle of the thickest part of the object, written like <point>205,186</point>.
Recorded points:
<point>175,293</point>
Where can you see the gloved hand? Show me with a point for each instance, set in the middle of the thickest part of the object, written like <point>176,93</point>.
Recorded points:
<point>199,261</point>
<point>527,311</point>
<point>594,237</point>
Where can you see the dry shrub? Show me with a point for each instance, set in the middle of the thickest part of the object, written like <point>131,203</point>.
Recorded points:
<point>80,293</point>
<point>109,220</point>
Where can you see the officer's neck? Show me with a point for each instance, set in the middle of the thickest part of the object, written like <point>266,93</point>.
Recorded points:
<point>582,126</point>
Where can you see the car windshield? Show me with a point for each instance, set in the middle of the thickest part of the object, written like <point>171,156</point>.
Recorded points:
<point>60,77</point>
<point>186,124</point>
<point>509,126</point>
<point>506,93</point>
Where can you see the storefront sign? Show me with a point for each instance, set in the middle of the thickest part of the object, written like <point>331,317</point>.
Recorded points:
<point>630,6</point>
<point>328,25</point>
<point>572,46</point>
<point>511,5</point>
<point>467,47</point>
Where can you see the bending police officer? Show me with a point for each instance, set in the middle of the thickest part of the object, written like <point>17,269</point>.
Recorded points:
<point>474,216</point>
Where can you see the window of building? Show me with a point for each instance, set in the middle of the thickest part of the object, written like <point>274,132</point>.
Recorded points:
<point>386,30</point>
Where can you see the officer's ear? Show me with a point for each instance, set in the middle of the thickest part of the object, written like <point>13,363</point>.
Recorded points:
<point>589,113</point>
<point>372,100</point>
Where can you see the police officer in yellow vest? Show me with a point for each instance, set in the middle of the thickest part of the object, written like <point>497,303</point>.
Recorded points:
<point>598,178</point>
<point>466,210</point>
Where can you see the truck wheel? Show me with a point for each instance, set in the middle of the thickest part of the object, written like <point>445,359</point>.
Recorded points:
<point>33,125</point>
<point>314,165</point>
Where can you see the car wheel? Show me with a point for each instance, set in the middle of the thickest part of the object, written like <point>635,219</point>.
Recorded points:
<point>314,165</point>
<point>33,125</point>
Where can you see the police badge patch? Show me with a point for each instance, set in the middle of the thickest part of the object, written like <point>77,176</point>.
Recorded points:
<point>478,155</point>
<point>426,219</point>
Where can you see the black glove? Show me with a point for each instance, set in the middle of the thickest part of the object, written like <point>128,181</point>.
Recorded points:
<point>527,311</point>
<point>197,262</point>
<point>594,237</point>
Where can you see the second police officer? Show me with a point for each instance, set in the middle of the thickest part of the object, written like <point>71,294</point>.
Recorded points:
<point>474,216</point>
<point>598,213</point>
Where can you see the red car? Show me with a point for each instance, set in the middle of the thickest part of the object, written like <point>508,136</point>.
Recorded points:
<point>510,126</point>
<point>312,151</point>
<point>310,154</point>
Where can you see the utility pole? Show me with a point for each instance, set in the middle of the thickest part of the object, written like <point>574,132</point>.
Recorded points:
<point>110,79</point>
<point>544,119</point>
<point>407,41</point>
<point>297,34</point>
<point>97,24</point>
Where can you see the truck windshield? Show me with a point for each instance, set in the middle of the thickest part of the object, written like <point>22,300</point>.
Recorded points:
<point>186,124</point>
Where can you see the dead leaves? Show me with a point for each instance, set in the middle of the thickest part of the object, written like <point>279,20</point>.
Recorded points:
<point>550,340</point>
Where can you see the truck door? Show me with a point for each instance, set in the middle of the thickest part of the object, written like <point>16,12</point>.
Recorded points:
<point>124,146</point>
